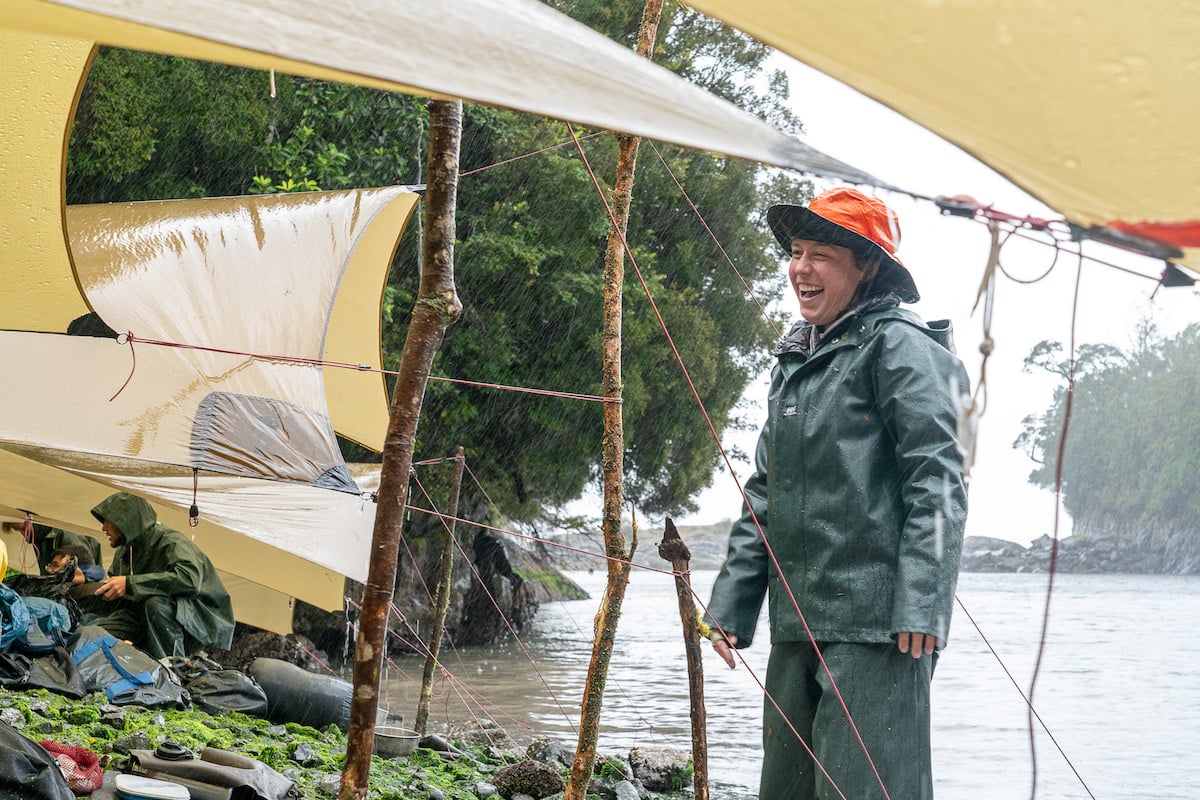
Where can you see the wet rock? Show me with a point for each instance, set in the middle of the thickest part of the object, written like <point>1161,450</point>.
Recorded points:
<point>549,751</point>
<point>328,785</point>
<point>277,730</point>
<point>303,754</point>
<point>530,777</point>
<point>113,716</point>
<point>134,741</point>
<point>39,707</point>
<point>661,768</point>
<point>483,789</point>
<point>250,643</point>
<point>484,733</point>
<point>12,717</point>
<point>625,790</point>
<point>434,793</point>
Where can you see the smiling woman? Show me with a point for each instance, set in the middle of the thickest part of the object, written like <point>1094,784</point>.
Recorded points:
<point>855,515</point>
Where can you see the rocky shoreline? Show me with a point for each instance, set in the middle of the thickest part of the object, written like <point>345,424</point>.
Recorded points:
<point>1083,554</point>
<point>474,762</point>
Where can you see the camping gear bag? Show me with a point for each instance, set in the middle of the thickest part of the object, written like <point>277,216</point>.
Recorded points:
<point>306,698</point>
<point>124,673</point>
<point>14,616</point>
<point>216,773</point>
<point>54,671</point>
<point>216,689</point>
<point>49,625</point>
<point>28,771</point>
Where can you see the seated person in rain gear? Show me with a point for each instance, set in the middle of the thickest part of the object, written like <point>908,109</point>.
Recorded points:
<point>86,579</point>
<point>163,593</point>
<point>86,569</point>
<point>47,540</point>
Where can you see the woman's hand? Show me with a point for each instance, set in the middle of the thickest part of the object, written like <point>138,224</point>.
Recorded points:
<point>917,644</point>
<point>723,645</point>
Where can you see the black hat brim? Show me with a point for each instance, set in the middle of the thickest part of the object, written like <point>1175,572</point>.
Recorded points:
<point>788,222</point>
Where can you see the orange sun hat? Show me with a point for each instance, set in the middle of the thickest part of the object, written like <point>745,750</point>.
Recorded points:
<point>848,218</point>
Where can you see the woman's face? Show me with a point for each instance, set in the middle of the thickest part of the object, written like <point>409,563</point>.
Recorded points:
<point>825,279</point>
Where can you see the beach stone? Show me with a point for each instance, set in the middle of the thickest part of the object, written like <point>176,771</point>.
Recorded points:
<point>134,741</point>
<point>661,768</point>
<point>435,793</point>
<point>547,750</point>
<point>303,754</point>
<point>12,717</point>
<point>113,716</point>
<point>529,777</point>
<point>625,790</point>
<point>329,784</point>
<point>484,733</point>
<point>484,789</point>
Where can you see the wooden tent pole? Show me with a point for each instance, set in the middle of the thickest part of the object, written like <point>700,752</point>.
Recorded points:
<point>442,599</point>
<point>437,307</point>
<point>674,550</point>
<point>605,625</point>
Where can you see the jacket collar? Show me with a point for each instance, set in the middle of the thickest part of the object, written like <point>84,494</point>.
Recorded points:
<point>804,339</point>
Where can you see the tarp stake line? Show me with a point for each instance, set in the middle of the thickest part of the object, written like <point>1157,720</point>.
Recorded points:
<point>1024,697</point>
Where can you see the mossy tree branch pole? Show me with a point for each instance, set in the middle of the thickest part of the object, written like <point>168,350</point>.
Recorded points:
<point>613,448</point>
<point>674,550</point>
<point>437,307</point>
<point>442,599</point>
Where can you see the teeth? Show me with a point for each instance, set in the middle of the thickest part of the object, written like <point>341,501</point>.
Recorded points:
<point>808,288</point>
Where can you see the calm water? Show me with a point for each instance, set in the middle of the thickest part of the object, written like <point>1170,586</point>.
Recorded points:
<point>1119,686</point>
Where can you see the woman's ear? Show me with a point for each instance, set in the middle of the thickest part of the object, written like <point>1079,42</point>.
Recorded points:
<point>869,272</point>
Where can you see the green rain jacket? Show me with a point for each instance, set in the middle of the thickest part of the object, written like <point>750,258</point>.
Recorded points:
<point>858,487</point>
<point>158,560</point>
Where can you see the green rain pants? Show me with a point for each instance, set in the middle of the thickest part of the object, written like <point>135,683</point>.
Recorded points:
<point>887,693</point>
<point>150,625</point>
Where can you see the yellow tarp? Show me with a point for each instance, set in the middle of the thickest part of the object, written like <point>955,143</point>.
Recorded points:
<point>1089,106</point>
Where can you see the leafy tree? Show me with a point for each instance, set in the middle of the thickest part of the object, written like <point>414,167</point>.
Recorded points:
<point>1130,463</point>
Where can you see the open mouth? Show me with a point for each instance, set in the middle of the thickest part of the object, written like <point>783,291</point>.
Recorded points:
<point>808,292</point>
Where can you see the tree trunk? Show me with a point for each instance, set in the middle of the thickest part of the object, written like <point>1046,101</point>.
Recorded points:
<point>674,550</point>
<point>605,626</point>
<point>437,306</point>
<point>442,601</point>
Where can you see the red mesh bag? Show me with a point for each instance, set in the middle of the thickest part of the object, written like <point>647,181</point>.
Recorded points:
<point>80,766</point>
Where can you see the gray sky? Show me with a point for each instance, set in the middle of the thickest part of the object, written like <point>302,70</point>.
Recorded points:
<point>947,256</point>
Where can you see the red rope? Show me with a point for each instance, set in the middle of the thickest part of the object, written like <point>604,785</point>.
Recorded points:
<point>1058,479</point>
<point>526,155</point>
<point>483,585</point>
<point>319,362</point>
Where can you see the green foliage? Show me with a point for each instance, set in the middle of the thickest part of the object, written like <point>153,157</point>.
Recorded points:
<point>151,127</point>
<point>529,250</point>
<point>1130,458</point>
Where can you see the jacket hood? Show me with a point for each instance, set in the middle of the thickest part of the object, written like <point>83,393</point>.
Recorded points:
<point>130,513</point>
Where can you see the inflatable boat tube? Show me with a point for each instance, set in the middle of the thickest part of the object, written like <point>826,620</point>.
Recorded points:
<point>297,695</point>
